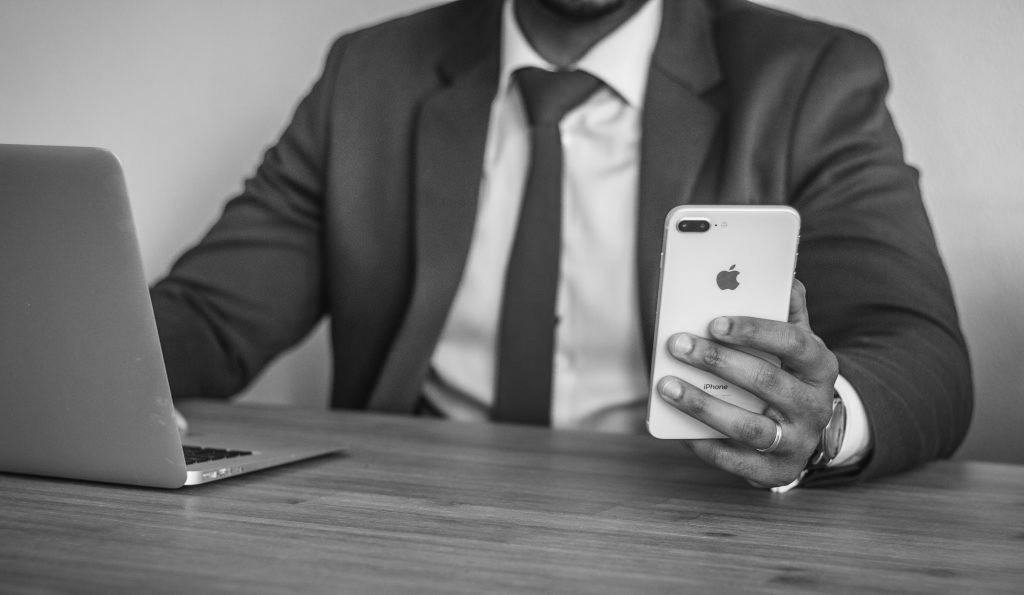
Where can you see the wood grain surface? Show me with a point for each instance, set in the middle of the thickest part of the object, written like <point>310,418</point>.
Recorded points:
<point>422,506</point>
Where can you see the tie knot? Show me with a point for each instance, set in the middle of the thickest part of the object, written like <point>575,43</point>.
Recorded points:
<point>548,96</point>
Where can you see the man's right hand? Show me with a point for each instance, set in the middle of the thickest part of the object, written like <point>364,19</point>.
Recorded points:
<point>182,423</point>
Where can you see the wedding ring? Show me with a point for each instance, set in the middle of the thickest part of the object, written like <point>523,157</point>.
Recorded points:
<point>775,443</point>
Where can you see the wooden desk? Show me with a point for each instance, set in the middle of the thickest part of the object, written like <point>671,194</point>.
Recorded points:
<point>433,506</point>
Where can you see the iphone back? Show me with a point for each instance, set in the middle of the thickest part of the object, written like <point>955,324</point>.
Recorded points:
<point>728,260</point>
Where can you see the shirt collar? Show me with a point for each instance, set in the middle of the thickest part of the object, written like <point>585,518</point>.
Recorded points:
<point>614,59</point>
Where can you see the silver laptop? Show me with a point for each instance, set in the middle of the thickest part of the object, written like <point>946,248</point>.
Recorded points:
<point>83,390</point>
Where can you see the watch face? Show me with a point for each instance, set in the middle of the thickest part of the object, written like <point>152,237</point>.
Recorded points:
<point>835,431</point>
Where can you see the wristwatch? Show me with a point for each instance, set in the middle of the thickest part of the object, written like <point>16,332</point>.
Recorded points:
<point>829,445</point>
<point>831,437</point>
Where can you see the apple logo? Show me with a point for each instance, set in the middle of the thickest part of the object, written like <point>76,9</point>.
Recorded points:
<point>727,279</point>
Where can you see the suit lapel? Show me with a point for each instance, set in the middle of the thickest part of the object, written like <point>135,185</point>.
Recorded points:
<point>449,142</point>
<point>678,128</point>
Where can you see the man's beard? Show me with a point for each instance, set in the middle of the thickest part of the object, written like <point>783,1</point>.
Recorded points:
<point>582,10</point>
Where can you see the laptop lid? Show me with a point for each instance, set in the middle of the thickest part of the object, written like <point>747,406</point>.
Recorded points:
<point>83,389</point>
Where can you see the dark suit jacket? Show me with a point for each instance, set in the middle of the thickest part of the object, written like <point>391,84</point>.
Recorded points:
<point>364,209</point>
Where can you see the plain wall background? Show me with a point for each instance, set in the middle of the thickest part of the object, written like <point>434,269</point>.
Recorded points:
<point>190,93</point>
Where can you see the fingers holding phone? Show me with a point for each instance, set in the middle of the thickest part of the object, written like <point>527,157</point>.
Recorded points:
<point>737,371</point>
<point>770,447</point>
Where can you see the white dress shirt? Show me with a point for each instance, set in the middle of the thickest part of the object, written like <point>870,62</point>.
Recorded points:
<point>600,377</point>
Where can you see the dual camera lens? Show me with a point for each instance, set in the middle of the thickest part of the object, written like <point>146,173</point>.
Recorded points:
<point>694,225</point>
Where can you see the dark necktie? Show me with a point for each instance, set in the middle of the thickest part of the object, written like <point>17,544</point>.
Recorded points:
<point>526,334</point>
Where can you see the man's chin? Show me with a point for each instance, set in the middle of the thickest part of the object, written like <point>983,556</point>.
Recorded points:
<point>582,10</point>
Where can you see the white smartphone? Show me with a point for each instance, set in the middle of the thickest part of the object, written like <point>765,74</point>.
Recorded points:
<point>727,260</point>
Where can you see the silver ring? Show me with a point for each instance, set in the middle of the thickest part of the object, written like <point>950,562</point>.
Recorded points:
<point>775,443</point>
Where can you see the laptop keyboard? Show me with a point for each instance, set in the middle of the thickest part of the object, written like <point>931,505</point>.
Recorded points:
<point>202,454</point>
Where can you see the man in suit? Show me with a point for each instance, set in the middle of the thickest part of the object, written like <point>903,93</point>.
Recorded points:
<point>391,204</point>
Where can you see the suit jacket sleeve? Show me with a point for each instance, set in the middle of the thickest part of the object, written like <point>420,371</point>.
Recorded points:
<point>878,293</point>
<point>253,286</point>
